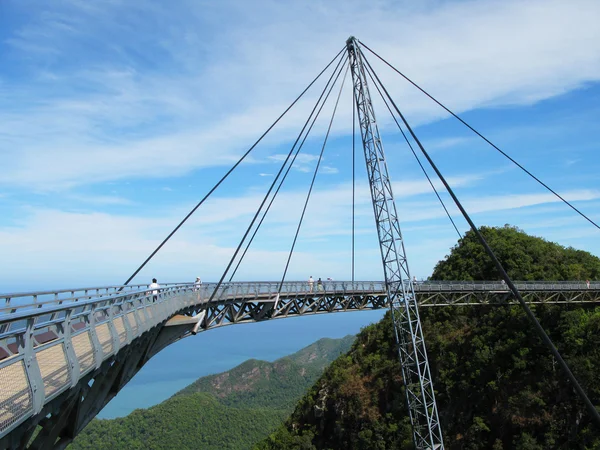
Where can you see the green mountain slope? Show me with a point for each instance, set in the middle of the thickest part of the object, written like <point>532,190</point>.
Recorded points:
<point>231,410</point>
<point>524,257</point>
<point>497,386</point>
<point>182,422</point>
<point>276,385</point>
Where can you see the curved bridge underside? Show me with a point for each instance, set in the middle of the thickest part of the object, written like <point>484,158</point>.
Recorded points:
<point>65,354</point>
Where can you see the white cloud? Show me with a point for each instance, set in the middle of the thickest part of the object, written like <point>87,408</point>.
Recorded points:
<point>450,142</point>
<point>95,248</point>
<point>161,100</point>
<point>304,162</point>
<point>497,203</point>
<point>99,199</point>
<point>328,170</point>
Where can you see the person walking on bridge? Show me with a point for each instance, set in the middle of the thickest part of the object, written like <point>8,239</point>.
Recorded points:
<point>197,284</point>
<point>311,283</point>
<point>155,287</point>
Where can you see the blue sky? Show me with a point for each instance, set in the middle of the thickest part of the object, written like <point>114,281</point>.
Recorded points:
<point>116,118</point>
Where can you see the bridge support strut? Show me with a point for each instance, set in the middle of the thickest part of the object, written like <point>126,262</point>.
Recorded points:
<point>427,433</point>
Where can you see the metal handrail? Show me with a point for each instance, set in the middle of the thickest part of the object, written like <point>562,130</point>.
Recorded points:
<point>83,296</point>
<point>29,300</point>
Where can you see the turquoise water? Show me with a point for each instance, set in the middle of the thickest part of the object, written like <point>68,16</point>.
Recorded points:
<point>221,349</point>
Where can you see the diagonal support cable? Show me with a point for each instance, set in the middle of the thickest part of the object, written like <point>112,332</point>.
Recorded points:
<point>312,183</point>
<point>538,327</point>
<point>456,116</point>
<point>273,185</point>
<point>230,170</point>
<point>414,153</point>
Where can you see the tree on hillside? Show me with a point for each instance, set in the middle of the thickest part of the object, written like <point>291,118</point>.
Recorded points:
<point>523,256</point>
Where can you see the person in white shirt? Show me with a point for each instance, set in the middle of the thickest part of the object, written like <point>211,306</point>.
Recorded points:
<point>155,287</point>
<point>311,283</point>
<point>197,284</point>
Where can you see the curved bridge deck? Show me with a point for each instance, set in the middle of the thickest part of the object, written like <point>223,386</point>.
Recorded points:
<point>65,354</point>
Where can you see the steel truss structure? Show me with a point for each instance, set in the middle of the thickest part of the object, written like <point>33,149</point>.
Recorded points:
<point>420,395</point>
<point>496,294</point>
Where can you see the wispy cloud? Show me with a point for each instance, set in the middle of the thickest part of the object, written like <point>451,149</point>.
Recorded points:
<point>496,203</point>
<point>99,199</point>
<point>448,142</point>
<point>328,170</point>
<point>103,115</point>
<point>305,162</point>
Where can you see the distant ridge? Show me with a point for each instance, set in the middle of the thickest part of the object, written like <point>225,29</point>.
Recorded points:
<point>276,385</point>
<point>230,410</point>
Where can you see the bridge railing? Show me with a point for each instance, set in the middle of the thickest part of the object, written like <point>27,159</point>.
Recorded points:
<point>265,290</point>
<point>19,302</point>
<point>41,299</point>
<point>430,286</point>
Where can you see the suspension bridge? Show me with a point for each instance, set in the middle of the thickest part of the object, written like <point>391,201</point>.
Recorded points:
<point>65,354</point>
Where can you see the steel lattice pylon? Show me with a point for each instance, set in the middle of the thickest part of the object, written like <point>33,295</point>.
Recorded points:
<point>427,432</point>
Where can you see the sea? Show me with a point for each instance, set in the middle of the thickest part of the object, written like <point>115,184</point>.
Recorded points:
<point>220,349</point>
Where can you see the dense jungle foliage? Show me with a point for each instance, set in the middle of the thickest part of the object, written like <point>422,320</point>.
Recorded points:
<point>182,422</point>
<point>231,410</point>
<point>524,258</point>
<point>497,386</point>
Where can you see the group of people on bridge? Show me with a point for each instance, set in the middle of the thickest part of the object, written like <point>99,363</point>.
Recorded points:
<point>311,284</point>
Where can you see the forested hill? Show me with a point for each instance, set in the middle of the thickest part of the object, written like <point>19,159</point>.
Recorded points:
<point>276,385</point>
<point>523,256</point>
<point>231,410</point>
<point>497,386</point>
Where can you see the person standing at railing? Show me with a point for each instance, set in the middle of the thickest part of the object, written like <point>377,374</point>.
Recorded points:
<point>587,282</point>
<point>197,284</point>
<point>155,287</point>
<point>319,284</point>
<point>311,283</point>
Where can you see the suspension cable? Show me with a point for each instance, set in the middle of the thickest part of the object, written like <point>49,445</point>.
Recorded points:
<point>414,153</point>
<point>312,183</point>
<point>538,327</point>
<point>456,116</point>
<point>274,182</point>
<point>314,119</point>
<point>230,170</point>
